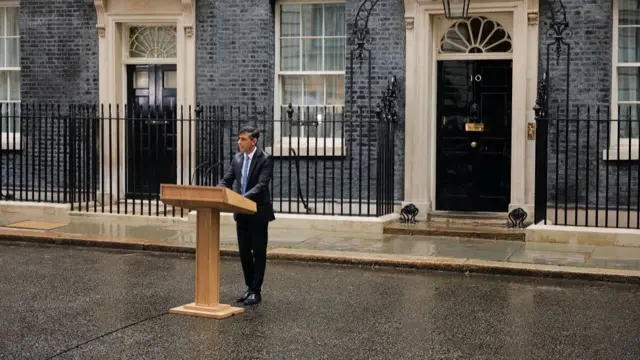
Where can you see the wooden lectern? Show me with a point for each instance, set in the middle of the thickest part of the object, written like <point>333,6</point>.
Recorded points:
<point>209,202</point>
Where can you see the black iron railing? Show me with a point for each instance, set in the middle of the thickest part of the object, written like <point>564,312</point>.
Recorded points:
<point>112,159</point>
<point>587,167</point>
<point>47,154</point>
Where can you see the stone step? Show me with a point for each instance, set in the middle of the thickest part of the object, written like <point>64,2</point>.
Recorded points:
<point>498,220</point>
<point>458,230</point>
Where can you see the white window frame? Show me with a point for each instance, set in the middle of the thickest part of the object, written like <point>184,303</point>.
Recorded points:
<point>625,148</point>
<point>329,146</point>
<point>11,141</point>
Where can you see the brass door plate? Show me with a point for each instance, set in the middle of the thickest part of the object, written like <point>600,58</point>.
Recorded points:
<point>531,131</point>
<point>474,127</point>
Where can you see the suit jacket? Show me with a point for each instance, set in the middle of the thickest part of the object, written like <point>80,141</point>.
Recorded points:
<point>260,175</point>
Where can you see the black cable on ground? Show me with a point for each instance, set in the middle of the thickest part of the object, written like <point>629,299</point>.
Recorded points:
<point>106,334</point>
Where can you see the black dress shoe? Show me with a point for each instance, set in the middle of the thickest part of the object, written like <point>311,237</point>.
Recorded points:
<point>253,299</point>
<point>243,297</point>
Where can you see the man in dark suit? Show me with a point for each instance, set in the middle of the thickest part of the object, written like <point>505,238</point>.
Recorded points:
<point>253,170</point>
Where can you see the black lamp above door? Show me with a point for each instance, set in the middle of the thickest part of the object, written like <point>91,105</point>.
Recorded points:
<point>456,9</point>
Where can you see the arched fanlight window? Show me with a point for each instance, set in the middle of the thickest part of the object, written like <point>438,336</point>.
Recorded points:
<point>476,35</point>
<point>152,42</point>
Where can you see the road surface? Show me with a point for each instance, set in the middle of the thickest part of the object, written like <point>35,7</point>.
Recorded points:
<point>86,303</point>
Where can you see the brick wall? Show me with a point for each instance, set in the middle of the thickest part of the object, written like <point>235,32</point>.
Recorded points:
<point>236,67</point>
<point>59,61</point>
<point>59,51</point>
<point>235,52</point>
<point>577,172</point>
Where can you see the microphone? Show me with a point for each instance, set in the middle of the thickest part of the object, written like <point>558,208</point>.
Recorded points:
<point>193,174</point>
<point>206,173</point>
<point>208,170</point>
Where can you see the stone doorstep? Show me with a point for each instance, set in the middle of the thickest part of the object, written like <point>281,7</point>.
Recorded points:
<point>467,219</point>
<point>459,224</point>
<point>426,213</point>
<point>456,229</point>
<point>340,257</point>
<point>580,235</point>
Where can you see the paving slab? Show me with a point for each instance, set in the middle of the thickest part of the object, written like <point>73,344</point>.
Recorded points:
<point>405,245</point>
<point>625,264</point>
<point>605,252</point>
<point>550,257</point>
<point>559,247</point>
<point>495,250</point>
<point>113,229</point>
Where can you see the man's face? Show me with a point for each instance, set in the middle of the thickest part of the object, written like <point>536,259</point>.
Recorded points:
<point>245,143</point>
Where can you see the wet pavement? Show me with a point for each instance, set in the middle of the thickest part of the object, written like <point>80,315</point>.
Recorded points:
<point>61,302</point>
<point>182,233</point>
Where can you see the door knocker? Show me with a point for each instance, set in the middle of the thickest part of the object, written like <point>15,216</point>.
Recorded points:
<point>473,125</point>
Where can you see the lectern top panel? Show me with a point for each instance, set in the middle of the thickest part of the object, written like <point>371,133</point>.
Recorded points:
<point>198,197</point>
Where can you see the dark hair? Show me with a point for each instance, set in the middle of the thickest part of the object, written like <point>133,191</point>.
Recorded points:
<point>252,131</point>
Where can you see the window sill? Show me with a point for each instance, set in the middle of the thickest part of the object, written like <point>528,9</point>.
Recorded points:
<point>622,153</point>
<point>302,150</point>
<point>11,142</point>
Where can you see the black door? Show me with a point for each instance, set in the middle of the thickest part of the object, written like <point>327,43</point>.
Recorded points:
<point>474,135</point>
<point>151,129</point>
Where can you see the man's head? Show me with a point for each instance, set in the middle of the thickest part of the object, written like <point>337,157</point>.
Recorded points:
<point>247,139</point>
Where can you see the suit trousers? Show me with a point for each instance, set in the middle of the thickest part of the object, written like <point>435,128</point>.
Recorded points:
<point>252,242</point>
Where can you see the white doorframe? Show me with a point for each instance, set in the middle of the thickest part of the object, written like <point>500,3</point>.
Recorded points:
<point>421,86</point>
<point>111,16</point>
